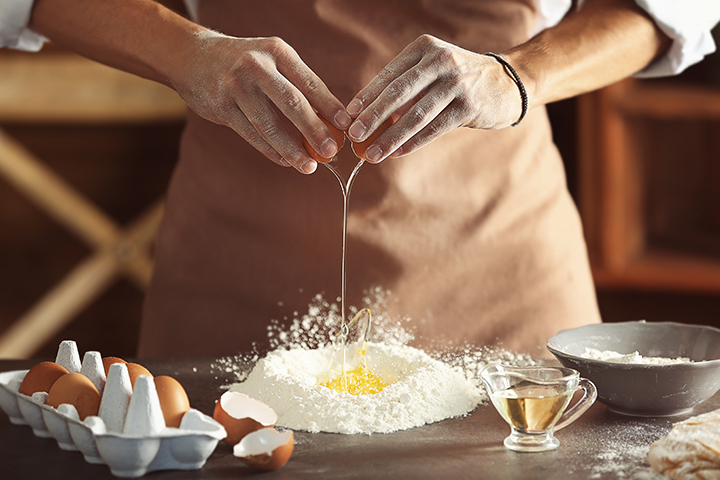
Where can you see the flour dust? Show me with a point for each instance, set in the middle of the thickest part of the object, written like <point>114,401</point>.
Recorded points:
<point>422,387</point>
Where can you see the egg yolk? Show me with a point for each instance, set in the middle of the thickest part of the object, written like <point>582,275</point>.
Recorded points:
<point>358,381</point>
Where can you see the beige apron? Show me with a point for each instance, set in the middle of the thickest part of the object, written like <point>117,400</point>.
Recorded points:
<point>475,235</point>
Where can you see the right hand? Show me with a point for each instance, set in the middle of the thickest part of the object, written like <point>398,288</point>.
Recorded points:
<point>432,87</point>
<point>261,89</point>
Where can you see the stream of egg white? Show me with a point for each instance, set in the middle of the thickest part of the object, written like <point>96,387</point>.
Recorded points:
<point>345,189</point>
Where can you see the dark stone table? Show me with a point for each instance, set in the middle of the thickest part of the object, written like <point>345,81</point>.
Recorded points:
<point>600,445</point>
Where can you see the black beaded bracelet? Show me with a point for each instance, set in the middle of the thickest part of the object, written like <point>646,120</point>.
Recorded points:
<point>516,77</point>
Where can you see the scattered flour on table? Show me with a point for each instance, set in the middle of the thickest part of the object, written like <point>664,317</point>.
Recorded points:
<point>422,387</point>
<point>621,451</point>
<point>634,358</point>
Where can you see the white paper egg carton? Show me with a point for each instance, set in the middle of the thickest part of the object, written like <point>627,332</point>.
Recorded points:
<point>129,433</point>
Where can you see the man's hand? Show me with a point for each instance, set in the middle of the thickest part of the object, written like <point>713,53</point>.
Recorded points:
<point>441,87</point>
<point>261,88</point>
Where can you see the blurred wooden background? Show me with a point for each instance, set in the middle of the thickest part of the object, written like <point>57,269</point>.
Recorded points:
<point>85,156</point>
<point>643,163</point>
<point>118,152</point>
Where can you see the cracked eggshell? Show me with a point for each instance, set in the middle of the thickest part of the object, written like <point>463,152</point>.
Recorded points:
<point>265,449</point>
<point>241,415</point>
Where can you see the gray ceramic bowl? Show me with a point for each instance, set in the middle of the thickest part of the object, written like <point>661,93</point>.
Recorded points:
<point>639,389</point>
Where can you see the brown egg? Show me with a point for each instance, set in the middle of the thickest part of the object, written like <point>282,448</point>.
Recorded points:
<point>135,370</point>
<point>174,401</point>
<point>360,147</point>
<point>338,135</point>
<point>41,377</point>
<point>107,361</point>
<point>265,449</point>
<point>77,390</point>
<point>240,415</point>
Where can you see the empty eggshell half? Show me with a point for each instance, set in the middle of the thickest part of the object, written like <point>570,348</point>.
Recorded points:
<point>265,449</point>
<point>240,415</point>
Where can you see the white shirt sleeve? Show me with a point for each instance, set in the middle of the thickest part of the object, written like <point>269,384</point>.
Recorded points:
<point>14,31</point>
<point>550,12</point>
<point>687,23</point>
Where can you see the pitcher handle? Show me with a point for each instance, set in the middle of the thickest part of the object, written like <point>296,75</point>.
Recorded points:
<point>588,398</point>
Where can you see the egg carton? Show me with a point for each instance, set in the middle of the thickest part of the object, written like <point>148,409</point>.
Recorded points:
<point>129,434</point>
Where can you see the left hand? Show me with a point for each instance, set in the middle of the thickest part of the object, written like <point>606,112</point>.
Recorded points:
<point>453,87</point>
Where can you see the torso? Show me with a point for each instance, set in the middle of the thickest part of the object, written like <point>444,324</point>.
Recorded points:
<point>475,235</point>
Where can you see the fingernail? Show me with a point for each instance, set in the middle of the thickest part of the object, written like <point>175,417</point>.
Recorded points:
<point>397,152</point>
<point>342,119</point>
<point>357,131</point>
<point>373,154</point>
<point>354,107</point>
<point>309,166</point>
<point>329,148</point>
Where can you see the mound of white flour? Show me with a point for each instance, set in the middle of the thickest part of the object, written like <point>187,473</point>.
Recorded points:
<point>420,390</point>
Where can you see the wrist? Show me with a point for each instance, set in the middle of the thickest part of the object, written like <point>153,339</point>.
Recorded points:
<point>531,78</point>
<point>509,70</point>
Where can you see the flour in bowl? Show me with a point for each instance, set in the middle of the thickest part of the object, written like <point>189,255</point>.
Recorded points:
<point>634,358</point>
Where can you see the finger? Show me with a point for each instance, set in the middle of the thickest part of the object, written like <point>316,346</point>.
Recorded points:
<point>339,136</point>
<point>271,128</point>
<point>448,120</point>
<point>315,90</point>
<point>406,59</point>
<point>301,95</point>
<point>398,93</point>
<point>242,126</point>
<point>417,116</point>
<point>290,101</point>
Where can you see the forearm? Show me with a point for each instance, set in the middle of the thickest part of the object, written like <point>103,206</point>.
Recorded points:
<point>138,36</point>
<point>605,41</point>
<point>259,87</point>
